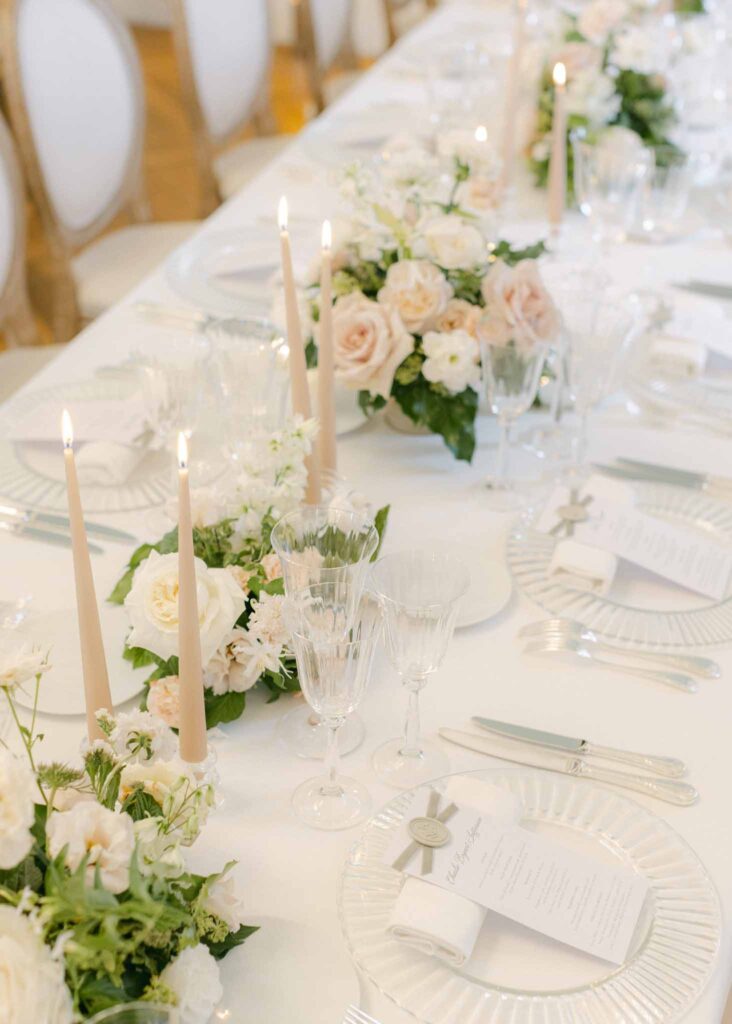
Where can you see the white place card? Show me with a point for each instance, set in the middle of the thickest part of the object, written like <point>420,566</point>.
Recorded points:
<point>676,553</point>
<point>533,880</point>
<point>94,420</point>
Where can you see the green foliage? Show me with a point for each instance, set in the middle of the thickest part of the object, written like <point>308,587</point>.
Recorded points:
<point>139,804</point>
<point>224,707</point>
<point>233,939</point>
<point>450,416</point>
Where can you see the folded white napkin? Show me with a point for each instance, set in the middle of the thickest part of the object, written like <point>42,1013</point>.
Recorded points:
<point>678,356</point>
<point>437,922</point>
<point>106,463</point>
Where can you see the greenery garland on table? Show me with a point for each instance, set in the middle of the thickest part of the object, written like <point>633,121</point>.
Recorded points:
<point>97,905</point>
<point>244,641</point>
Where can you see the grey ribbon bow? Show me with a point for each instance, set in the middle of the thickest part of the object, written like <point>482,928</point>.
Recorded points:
<point>572,514</point>
<point>428,833</point>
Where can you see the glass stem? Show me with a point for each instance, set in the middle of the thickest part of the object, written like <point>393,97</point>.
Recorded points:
<point>412,744</point>
<point>331,786</point>
<point>500,479</point>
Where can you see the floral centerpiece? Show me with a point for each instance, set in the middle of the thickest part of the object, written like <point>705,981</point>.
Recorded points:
<point>409,282</point>
<point>97,906</point>
<point>614,61</point>
<point>244,640</point>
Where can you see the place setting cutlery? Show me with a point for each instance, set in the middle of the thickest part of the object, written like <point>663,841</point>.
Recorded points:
<point>659,777</point>
<point>634,469</point>
<point>712,289</point>
<point>52,528</point>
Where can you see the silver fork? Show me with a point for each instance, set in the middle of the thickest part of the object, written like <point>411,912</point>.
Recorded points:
<point>356,1016</point>
<point>705,668</point>
<point>566,645</point>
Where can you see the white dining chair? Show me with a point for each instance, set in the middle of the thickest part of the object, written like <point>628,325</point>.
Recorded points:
<point>225,55</point>
<point>74,93</point>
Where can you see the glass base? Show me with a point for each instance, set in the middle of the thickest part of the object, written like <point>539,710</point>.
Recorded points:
<point>403,771</point>
<point>303,733</point>
<point>318,806</point>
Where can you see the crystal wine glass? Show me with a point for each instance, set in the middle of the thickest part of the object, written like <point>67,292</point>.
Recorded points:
<point>334,647</point>
<point>420,594</point>
<point>320,544</point>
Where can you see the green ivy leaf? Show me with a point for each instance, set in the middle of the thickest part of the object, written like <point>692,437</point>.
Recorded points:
<point>233,939</point>
<point>138,657</point>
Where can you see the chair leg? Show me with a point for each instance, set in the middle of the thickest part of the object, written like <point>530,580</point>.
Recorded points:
<point>20,325</point>
<point>66,316</point>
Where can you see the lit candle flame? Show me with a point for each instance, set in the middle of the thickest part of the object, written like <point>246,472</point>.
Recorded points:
<point>327,236</point>
<point>67,429</point>
<point>560,74</point>
<point>481,133</point>
<point>282,214</point>
<point>182,451</point>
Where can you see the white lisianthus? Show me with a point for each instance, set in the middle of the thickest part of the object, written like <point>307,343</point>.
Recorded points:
<point>452,360</point>
<point>105,837</point>
<point>183,800</point>
<point>193,978</point>
<point>32,984</point>
<point>599,18</point>
<point>19,665</point>
<point>418,290</point>
<point>158,853</point>
<point>142,736</point>
<point>17,811</point>
<point>152,604</point>
<point>453,244</point>
<point>222,900</point>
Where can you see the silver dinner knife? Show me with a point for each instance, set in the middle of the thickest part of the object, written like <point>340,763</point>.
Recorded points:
<point>711,288</point>
<point>20,529</point>
<point>32,518</point>
<point>631,469</point>
<point>671,767</point>
<point>673,792</point>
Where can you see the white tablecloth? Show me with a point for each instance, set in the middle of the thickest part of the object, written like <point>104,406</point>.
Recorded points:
<point>296,968</point>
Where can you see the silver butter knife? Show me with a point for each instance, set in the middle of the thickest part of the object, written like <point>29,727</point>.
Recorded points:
<point>671,767</point>
<point>631,469</point>
<point>33,518</point>
<point>711,288</point>
<point>673,792</point>
<point>63,540</point>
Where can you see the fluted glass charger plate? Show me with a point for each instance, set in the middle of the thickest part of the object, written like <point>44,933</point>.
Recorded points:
<point>640,609</point>
<point>516,976</point>
<point>32,474</point>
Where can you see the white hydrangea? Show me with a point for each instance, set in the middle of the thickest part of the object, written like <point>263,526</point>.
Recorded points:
<point>452,360</point>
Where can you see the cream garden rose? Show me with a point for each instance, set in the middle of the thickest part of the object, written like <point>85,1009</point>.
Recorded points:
<point>459,315</point>
<point>105,837</point>
<point>369,342</point>
<point>418,290</point>
<point>452,243</point>
<point>32,984</point>
<point>17,794</point>
<point>452,360</point>
<point>163,700</point>
<point>152,604</point>
<point>518,307</point>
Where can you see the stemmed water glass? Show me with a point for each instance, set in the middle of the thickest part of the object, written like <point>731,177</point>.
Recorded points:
<point>334,645</point>
<point>419,594</point>
<point>318,544</point>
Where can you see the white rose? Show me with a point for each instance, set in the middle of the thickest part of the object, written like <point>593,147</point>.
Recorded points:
<point>32,985</point>
<point>452,243</point>
<point>193,978</point>
<point>222,900</point>
<point>19,664</point>
<point>142,736</point>
<point>158,853</point>
<point>17,811</point>
<point>518,307</point>
<point>369,343</point>
<point>418,290</point>
<point>598,18</point>
<point>163,700</point>
<point>105,837</point>
<point>452,360</point>
<point>152,604</point>
<point>479,195</point>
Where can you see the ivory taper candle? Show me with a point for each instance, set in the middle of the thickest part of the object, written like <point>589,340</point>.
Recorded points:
<point>513,88</point>
<point>558,165</point>
<point>93,661</point>
<point>298,363</point>
<point>326,368</point>
<point>192,721</point>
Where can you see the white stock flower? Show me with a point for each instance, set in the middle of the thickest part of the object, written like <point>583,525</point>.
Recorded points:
<point>32,984</point>
<point>638,48</point>
<point>21,663</point>
<point>142,736</point>
<point>17,792</point>
<point>152,604</point>
<point>222,900</point>
<point>163,700</point>
<point>104,836</point>
<point>418,290</point>
<point>452,243</point>
<point>158,853</point>
<point>452,360</point>
<point>370,341</point>
<point>599,18</point>
<point>193,978</point>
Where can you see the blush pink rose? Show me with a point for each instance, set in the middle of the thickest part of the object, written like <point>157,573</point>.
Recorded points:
<point>518,307</point>
<point>369,342</point>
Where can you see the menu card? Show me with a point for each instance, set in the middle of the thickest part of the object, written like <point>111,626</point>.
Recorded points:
<point>528,878</point>
<point>675,552</point>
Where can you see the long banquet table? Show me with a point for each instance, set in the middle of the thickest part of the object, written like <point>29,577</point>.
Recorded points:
<point>296,968</point>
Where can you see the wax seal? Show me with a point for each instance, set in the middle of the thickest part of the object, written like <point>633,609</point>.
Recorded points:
<point>429,832</point>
